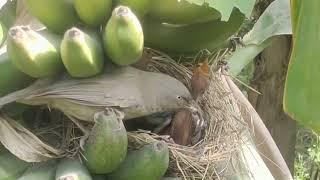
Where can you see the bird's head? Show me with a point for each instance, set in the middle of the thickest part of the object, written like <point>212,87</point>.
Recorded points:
<point>167,94</point>
<point>176,100</point>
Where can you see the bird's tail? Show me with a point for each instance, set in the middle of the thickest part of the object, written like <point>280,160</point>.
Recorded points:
<point>35,88</point>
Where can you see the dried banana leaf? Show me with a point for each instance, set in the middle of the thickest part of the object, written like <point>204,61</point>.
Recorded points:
<point>23,143</point>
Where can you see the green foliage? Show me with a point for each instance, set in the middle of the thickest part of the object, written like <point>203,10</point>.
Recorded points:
<point>302,91</point>
<point>245,76</point>
<point>244,55</point>
<point>300,170</point>
<point>307,160</point>
<point>226,7</point>
<point>274,21</point>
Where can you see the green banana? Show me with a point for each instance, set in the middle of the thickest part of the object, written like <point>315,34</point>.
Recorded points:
<point>123,37</point>
<point>11,167</point>
<point>107,143</point>
<point>8,13</point>
<point>181,12</point>
<point>93,12</point>
<point>149,163</point>
<point>191,38</point>
<point>72,169</point>
<point>3,150</point>
<point>82,53</point>
<point>7,18</point>
<point>8,73</point>
<point>56,15</point>
<point>139,7</point>
<point>40,171</point>
<point>98,177</point>
<point>36,54</point>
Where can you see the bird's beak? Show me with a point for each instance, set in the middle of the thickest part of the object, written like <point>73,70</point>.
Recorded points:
<point>192,106</point>
<point>193,102</point>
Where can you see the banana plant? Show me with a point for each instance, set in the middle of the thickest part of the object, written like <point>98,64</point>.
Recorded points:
<point>301,94</point>
<point>273,22</point>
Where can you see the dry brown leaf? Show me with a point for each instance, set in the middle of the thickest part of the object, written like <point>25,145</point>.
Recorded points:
<point>23,143</point>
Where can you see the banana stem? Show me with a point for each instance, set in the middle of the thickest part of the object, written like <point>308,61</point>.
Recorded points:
<point>272,156</point>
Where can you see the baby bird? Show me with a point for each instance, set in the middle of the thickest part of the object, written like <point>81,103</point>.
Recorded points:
<point>200,79</point>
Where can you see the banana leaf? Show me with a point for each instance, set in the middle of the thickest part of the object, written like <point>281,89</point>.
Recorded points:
<point>273,22</point>
<point>225,7</point>
<point>302,91</point>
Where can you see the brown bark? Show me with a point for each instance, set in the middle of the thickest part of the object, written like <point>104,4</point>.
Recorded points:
<point>269,79</point>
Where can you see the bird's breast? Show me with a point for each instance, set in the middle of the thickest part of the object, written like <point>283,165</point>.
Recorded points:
<point>139,111</point>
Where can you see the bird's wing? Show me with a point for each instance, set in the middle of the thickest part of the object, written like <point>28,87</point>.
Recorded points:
<point>119,88</point>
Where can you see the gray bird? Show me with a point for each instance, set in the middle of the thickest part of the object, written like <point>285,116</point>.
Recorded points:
<point>134,92</point>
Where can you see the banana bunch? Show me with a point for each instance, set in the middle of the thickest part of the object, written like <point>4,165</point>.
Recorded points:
<point>73,40</point>
<point>81,35</point>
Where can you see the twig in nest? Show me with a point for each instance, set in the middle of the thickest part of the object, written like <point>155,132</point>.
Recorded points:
<point>79,124</point>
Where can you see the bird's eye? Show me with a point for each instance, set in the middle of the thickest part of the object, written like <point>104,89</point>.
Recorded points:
<point>179,97</point>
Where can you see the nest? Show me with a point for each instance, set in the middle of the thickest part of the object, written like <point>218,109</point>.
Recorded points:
<point>210,158</point>
<point>225,127</point>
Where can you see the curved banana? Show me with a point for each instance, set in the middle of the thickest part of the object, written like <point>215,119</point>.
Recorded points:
<point>81,53</point>
<point>191,38</point>
<point>12,79</point>
<point>36,54</point>
<point>93,12</point>
<point>139,7</point>
<point>56,15</point>
<point>181,12</point>
<point>123,37</point>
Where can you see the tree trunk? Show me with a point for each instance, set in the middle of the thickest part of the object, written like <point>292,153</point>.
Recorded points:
<point>269,79</point>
